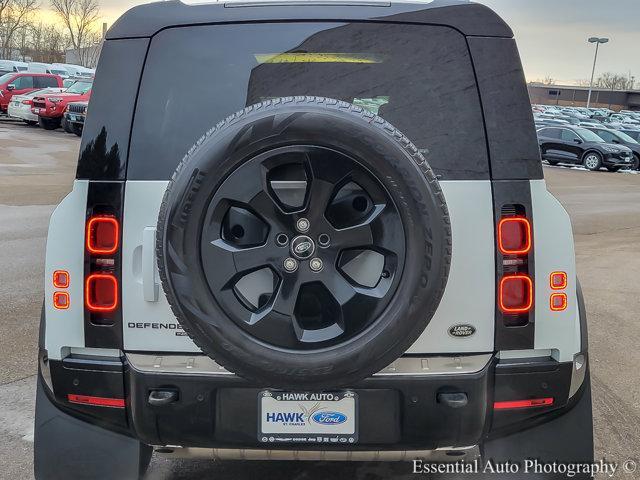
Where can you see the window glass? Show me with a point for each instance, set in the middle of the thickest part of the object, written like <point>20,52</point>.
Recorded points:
<point>44,82</point>
<point>606,136</point>
<point>24,82</point>
<point>624,137</point>
<point>588,135</point>
<point>550,132</point>
<point>569,136</point>
<point>419,78</point>
<point>6,77</point>
<point>79,88</point>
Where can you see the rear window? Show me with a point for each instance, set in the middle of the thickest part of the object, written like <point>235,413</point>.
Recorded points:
<point>44,82</point>
<point>419,78</point>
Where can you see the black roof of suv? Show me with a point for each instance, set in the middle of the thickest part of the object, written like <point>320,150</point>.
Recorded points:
<point>468,19</point>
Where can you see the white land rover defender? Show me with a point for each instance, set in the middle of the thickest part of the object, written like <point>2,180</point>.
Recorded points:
<point>309,231</point>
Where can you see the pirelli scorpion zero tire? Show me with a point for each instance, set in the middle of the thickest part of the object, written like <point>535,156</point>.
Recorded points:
<point>304,243</point>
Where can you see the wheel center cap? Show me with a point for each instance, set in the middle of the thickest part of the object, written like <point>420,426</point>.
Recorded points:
<point>302,247</point>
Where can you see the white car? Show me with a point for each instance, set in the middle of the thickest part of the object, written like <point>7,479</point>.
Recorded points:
<point>20,105</point>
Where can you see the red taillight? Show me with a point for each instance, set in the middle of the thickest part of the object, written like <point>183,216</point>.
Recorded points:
<point>103,235</point>
<point>515,404</point>
<point>516,294</point>
<point>514,236</point>
<point>101,292</point>
<point>96,401</point>
<point>27,102</point>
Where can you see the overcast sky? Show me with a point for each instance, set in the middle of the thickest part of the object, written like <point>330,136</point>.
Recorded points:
<point>552,34</point>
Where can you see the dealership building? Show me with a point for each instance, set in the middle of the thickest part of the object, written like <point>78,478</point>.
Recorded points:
<point>577,96</point>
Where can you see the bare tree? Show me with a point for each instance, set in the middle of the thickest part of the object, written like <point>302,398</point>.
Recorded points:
<point>14,14</point>
<point>615,81</point>
<point>79,18</point>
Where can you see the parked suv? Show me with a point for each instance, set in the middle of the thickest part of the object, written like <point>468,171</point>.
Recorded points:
<point>312,266</point>
<point>617,137</point>
<point>75,116</point>
<point>50,108</point>
<point>22,83</point>
<point>578,145</point>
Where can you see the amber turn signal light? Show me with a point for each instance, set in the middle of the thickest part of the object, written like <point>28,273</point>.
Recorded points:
<point>61,300</point>
<point>558,280</point>
<point>558,302</point>
<point>61,279</point>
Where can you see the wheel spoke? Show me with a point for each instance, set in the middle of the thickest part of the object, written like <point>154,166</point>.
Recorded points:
<point>320,194</point>
<point>245,259</point>
<point>266,208</point>
<point>340,288</point>
<point>285,300</point>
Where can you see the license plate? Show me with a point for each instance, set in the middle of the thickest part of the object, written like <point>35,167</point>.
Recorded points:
<point>306,417</point>
<point>73,118</point>
<point>36,111</point>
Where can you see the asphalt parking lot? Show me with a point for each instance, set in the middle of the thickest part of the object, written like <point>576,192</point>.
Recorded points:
<point>37,169</point>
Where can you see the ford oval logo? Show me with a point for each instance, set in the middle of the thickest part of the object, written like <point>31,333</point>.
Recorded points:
<point>462,331</point>
<point>329,418</point>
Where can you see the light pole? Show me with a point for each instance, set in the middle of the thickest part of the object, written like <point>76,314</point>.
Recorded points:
<point>597,41</point>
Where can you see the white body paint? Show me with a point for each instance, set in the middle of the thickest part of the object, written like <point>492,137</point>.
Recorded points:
<point>469,298</point>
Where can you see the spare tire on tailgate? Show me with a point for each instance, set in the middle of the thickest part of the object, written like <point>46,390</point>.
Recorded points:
<point>304,243</point>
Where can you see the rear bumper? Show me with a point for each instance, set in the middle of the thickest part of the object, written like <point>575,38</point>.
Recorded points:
<point>401,410</point>
<point>21,113</point>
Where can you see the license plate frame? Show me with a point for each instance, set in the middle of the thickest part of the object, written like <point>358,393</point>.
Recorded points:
<point>308,417</point>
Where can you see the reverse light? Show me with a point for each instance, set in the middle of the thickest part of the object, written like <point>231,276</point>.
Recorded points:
<point>516,404</point>
<point>514,236</point>
<point>516,294</point>
<point>96,401</point>
<point>558,280</point>
<point>558,302</point>
<point>103,234</point>
<point>101,292</point>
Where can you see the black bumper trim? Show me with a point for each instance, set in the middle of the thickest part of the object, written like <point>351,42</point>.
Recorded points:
<point>396,412</point>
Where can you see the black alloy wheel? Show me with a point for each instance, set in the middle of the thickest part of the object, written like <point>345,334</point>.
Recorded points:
<point>298,240</point>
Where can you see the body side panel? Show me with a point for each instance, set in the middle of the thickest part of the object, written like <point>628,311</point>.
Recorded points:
<point>65,251</point>
<point>554,251</point>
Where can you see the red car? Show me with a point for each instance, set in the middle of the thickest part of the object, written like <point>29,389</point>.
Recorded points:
<point>50,108</point>
<point>20,83</point>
